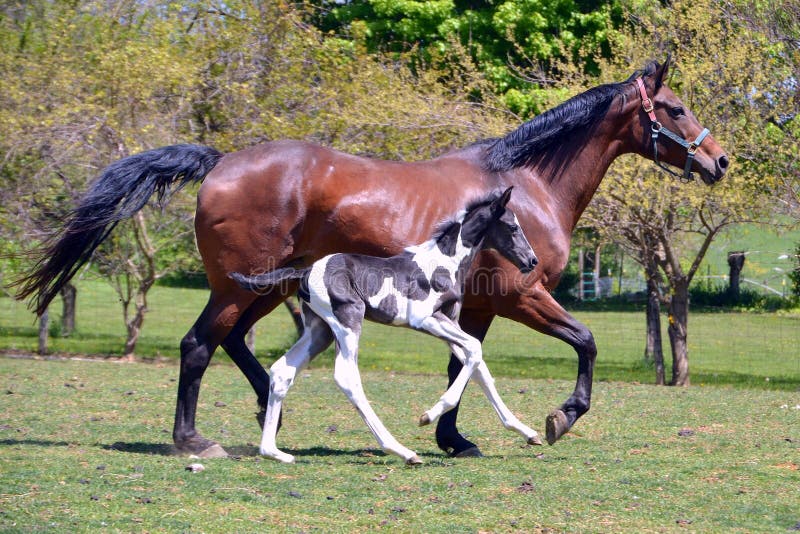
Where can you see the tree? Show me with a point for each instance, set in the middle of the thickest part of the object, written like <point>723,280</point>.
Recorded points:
<point>724,71</point>
<point>86,84</point>
<point>513,42</point>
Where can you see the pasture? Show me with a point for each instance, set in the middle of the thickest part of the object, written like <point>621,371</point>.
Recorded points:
<point>85,446</point>
<point>743,349</point>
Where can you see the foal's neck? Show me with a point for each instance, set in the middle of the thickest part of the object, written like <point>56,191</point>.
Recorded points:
<point>457,258</point>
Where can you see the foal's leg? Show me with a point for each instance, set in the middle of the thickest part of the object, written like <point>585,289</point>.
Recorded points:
<point>485,380</point>
<point>476,323</point>
<point>317,336</point>
<point>348,378</point>
<point>441,326</point>
<point>234,344</point>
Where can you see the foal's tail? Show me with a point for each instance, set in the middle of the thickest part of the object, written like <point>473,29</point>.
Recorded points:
<point>261,283</point>
<point>122,189</point>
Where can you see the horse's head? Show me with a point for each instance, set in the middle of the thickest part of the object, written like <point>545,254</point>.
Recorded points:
<point>670,133</point>
<point>505,235</point>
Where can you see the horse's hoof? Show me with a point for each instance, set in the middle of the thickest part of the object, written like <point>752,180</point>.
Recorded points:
<point>414,460</point>
<point>472,452</point>
<point>213,451</point>
<point>556,426</point>
<point>535,440</point>
<point>424,420</point>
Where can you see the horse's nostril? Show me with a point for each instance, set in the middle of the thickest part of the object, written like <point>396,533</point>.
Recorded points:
<point>723,162</point>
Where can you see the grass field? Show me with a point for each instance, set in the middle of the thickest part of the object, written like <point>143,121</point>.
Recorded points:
<point>85,447</point>
<point>725,348</point>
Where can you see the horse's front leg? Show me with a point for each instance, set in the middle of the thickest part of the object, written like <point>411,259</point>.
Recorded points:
<point>465,346</point>
<point>448,438</point>
<point>537,309</point>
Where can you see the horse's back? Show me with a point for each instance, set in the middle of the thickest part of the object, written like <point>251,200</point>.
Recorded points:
<point>293,201</point>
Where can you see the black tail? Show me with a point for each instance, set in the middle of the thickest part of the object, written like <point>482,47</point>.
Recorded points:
<point>261,283</point>
<point>122,189</point>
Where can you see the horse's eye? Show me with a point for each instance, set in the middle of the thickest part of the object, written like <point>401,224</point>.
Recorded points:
<point>676,112</point>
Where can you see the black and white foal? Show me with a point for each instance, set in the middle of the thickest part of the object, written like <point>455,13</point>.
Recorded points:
<point>421,288</point>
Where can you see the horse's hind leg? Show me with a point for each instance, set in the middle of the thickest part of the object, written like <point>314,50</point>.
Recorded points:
<point>317,336</point>
<point>348,378</point>
<point>234,344</point>
<point>197,347</point>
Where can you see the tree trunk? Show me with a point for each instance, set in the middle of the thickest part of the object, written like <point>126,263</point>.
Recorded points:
<point>654,351</point>
<point>678,321</point>
<point>736,263</point>
<point>68,298</point>
<point>297,316</point>
<point>134,327</point>
<point>44,326</point>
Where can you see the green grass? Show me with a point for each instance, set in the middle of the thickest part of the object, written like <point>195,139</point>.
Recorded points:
<point>743,349</point>
<point>85,447</point>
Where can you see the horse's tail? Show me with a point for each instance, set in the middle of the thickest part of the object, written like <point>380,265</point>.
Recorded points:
<point>122,189</point>
<point>261,283</point>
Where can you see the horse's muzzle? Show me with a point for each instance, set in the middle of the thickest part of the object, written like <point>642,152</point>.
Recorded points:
<point>530,266</point>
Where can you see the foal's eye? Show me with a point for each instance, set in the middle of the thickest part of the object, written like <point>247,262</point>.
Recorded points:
<point>676,112</point>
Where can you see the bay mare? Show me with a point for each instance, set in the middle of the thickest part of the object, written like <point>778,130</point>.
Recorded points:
<point>289,203</point>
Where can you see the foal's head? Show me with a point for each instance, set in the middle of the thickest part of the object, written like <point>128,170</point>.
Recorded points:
<point>489,224</point>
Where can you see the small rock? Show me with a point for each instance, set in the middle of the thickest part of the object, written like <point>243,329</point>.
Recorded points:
<point>195,468</point>
<point>331,429</point>
<point>220,404</point>
<point>295,495</point>
<point>685,432</point>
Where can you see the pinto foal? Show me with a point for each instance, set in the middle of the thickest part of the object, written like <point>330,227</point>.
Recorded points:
<point>421,288</point>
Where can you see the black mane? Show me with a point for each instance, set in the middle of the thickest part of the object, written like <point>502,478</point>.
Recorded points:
<point>554,136</point>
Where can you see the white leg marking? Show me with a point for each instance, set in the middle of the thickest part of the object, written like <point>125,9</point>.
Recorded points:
<point>282,375</point>
<point>446,329</point>
<point>348,378</point>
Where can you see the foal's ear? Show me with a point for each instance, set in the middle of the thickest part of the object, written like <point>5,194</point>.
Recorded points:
<point>661,73</point>
<point>505,197</point>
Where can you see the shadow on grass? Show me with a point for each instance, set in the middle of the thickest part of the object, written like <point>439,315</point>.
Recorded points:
<point>160,449</point>
<point>33,442</point>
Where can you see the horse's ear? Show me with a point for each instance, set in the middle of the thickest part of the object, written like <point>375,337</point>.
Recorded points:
<point>661,72</point>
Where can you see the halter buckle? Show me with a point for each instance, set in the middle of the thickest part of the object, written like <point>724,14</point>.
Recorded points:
<point>656,126</point>
<point>692,148</point>
<point>647,104</point>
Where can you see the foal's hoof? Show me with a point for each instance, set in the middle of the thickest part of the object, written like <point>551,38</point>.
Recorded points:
<point>556,426</point>
<point>414,461</point>
<point>472,452</point>
<point>424,419</point>
<point>535,440</point>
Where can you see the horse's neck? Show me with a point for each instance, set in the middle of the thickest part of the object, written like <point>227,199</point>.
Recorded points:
<point>575,183</point>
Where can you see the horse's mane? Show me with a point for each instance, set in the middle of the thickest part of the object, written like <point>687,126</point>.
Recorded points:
<point>444,227</point>
<point>554,136</point>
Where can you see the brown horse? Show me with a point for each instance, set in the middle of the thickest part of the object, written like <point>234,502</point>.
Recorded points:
<point>289,203</point>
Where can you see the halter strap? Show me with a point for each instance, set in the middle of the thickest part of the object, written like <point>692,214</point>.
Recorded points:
<point>656,128</point>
